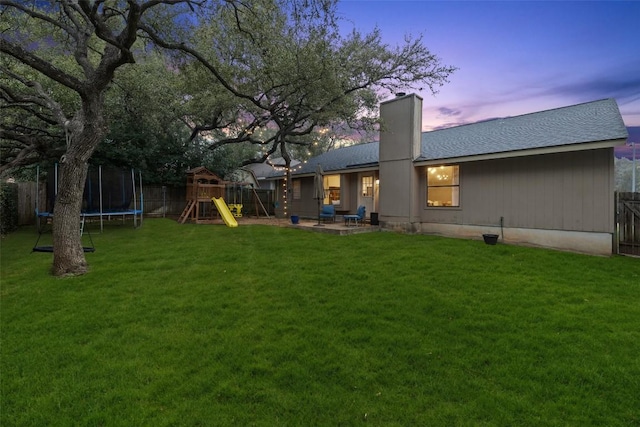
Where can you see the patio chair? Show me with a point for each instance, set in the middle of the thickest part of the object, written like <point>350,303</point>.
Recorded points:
<point>328,212</point>
<point>358,218</point>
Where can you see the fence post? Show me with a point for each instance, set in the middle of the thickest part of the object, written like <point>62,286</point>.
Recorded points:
<point>616,236</point>
<point>164,201</point>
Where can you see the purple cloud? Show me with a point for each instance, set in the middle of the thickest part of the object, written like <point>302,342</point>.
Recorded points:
<point>449,112</point>
<point>627,149</point>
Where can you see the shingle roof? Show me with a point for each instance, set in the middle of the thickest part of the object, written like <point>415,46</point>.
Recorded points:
<point>353,156</point>
<point>577,124</point>
<point>269,168</point>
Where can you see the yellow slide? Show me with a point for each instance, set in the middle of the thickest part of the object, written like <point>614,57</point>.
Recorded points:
<point>225,212</point>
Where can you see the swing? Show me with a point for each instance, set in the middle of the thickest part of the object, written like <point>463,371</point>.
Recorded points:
<point>49,248</point>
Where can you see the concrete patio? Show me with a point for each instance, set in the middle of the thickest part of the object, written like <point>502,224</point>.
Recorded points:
<point>337,227</point>
<point>307,224</point>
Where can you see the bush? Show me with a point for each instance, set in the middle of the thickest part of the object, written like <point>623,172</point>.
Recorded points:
<point>8,207</point>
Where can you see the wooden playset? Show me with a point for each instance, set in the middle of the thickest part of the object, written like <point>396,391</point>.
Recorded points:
<point>203,186</point>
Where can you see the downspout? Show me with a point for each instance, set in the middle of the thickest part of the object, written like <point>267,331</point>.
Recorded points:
<point>416,147</point>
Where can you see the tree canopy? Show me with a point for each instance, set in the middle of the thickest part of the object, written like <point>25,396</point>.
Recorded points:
<point>59,60</point>
<point>164,83</point>
<point>289,69</point>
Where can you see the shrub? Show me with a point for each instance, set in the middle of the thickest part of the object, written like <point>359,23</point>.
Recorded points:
<point>8,207</point>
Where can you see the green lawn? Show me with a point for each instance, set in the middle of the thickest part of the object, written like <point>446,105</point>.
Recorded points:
<point>258,325</point>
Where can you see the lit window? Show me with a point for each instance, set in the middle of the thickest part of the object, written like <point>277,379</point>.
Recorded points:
<point>367,186</point>
<point>332,189</point>
<point>443,186</point>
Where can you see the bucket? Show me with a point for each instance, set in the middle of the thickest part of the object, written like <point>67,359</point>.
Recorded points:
<point>374,218</point>
<point>490,239</point>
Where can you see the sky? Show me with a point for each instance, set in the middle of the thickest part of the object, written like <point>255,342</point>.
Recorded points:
<point>516,57</point>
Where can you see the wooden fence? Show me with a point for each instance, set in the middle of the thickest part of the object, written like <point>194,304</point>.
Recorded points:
<point>27,195</point>
<point>159,201</point>
<point>171,201</point>
<point>628,223</point>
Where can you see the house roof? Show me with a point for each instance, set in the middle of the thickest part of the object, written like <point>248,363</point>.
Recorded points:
<point>243,176</point>
<point>595,121</point>
<point>271,167</point>
<point>201,171</point>
<point>577,127</point>
<point>351,157</point>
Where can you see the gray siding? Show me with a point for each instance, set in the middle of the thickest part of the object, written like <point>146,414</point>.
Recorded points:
<point>395,190</point>
<point>350,189</point>
<point>307,206</point>
<point>399,147</point>
<point>564,191</point>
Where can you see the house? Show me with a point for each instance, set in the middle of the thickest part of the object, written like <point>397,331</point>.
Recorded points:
<point>243,175</point>
<point>270,168</point>
<point>544,179</point>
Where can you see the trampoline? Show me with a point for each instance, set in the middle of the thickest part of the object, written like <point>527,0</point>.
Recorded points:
<point>107,193</point>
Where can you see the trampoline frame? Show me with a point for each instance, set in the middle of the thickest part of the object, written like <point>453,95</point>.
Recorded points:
<point>137,211</point>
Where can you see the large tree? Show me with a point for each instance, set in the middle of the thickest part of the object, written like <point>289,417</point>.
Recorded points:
<point>146,122</point>
<point>75,46</point>
<point>292,71</point>
<point>265,73</point>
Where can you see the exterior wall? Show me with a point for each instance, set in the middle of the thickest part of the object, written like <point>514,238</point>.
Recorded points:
<point>565,191</point>
<point>307,207</point>
<point>349,193</point>
<point>369,202</point>
<point>400,138</point>
<point>564,194</point>
<point>575,241</point>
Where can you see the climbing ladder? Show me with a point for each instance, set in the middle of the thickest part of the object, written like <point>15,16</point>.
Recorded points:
<point>191,204</point>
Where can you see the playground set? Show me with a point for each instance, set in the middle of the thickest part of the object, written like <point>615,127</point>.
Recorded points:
<point>206,195</point>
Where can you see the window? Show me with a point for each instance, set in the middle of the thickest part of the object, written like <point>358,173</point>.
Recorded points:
<point>332,189</point>
<point>296,189</point>
<point>367,186</point>
<point>443,186</point>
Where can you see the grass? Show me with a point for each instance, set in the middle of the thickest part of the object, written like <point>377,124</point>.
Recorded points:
<point>207,325</point>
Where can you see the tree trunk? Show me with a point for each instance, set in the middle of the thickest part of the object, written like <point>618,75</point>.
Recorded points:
<point>68,254</point>
<point>86,131</point>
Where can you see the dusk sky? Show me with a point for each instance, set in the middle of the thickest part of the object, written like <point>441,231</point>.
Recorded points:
<point>517,57</point>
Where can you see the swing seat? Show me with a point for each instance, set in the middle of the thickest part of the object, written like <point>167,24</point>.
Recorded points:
<point>50,249</point>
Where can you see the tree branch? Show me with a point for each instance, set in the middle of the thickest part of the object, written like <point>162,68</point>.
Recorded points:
<point>32,13</point>
<point>183,48</point>
<point>40,65</point>
<point>43,99</point>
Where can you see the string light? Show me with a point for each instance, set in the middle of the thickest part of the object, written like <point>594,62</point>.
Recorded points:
<point>284,169</point>
<point>284,195</point>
